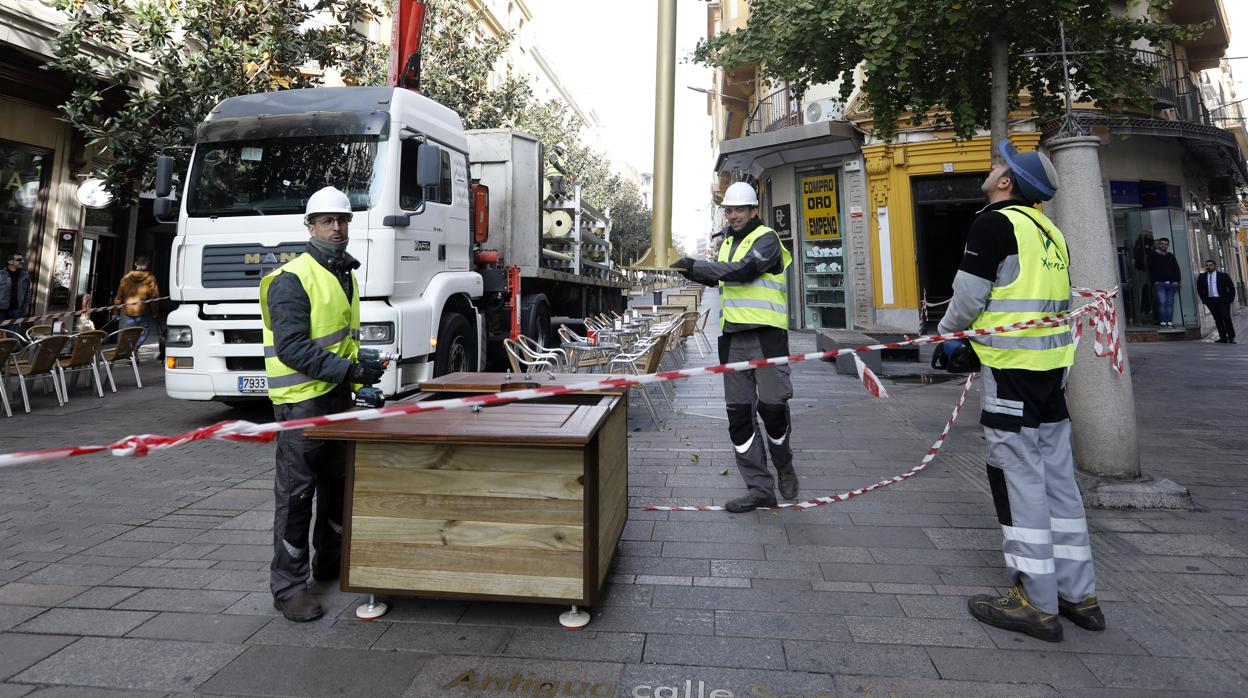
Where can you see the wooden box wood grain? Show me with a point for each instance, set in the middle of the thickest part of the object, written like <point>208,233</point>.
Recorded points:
<point>524,501</point>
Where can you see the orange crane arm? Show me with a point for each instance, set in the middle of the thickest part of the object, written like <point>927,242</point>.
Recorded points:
<point>409,29</point>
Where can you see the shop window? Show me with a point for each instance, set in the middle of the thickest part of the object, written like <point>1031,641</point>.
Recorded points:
<point>25,172</point>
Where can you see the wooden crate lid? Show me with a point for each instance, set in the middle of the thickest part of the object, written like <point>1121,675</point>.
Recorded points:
<point>515,423</point>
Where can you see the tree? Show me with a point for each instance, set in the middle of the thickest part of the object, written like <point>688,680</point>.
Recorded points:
<point>958,63</point>
<point>554,122</point>
<point>146,73</point>
<point>456,67</point>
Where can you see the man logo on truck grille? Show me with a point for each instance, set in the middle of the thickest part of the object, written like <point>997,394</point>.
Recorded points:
<point>268,258</point>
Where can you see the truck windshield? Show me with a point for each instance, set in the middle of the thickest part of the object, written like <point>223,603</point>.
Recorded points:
<point>277,175</point>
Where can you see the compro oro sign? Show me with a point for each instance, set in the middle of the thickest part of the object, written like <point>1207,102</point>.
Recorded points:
<point>92,194</point>
<point>819,214</point>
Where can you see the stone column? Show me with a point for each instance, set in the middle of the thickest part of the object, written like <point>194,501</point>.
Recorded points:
<point>1102,401</point>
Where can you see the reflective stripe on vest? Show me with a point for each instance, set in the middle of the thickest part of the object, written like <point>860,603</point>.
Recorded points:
<point>1041,288</point>
<point>334,326</point>
<point>763,301</point>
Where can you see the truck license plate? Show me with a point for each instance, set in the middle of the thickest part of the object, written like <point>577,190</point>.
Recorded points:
<point>253,384</point>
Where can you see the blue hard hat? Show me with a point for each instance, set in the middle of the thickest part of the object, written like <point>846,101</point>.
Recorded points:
<point>1034,173</point>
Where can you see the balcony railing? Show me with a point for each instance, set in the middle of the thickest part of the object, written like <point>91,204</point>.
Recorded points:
<point>1173,89</point>
<point>778,110</point>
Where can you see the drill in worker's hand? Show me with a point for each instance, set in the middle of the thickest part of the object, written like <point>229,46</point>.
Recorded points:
<point>370,364</point>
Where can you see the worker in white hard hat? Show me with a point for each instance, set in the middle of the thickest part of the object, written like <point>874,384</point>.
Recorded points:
<point>1016,268</point>
<point>311,312</point>
<point>557,171</point>
<point>754,312</point>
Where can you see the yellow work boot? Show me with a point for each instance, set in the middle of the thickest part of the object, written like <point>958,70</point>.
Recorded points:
<point>1014,612</point>
<point>1085,614</point>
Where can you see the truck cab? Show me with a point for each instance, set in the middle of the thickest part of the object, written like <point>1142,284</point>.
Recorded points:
<point>256,161</point>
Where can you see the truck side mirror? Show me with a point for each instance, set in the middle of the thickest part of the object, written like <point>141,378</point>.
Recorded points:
<point>165,210</point>
<point>429,170</point>
<point>164,175</point>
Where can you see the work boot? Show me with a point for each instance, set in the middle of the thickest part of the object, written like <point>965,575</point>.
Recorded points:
<point>787,481</point>
<point>1014,612</point>
<point>751,501</point>
<point>300,608</point>
<point>1085,614</point>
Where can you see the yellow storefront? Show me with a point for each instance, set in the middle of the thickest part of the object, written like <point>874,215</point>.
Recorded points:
<point>922,196</point>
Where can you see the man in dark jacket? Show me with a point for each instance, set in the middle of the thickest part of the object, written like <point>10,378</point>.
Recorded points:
<point>311,311</point>
<point>1217,292</point>
<point>753,295</point>
<point>1163,271</point>
<point>14,289</point>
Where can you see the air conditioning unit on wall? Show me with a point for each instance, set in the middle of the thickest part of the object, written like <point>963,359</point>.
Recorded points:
<point>829,109</point>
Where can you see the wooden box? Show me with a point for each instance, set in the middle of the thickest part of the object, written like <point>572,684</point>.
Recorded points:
<point>523,501</point>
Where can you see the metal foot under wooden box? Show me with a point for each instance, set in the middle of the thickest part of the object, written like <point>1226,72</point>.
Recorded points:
<point>521,502</point>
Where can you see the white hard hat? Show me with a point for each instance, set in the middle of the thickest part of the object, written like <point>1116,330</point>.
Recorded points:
<point>560,146</point>
<point>740,194</point>
<point>327,200</point>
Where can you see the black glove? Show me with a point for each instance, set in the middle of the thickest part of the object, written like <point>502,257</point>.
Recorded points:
<point>684,263</point>
<point>366,373</point>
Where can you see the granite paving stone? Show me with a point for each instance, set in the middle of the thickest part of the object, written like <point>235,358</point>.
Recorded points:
<point>703,682</point>
<point>167,578</point>
<point>719,651</point>
<point>876,686</point>
<point>187,600</point>
<point>440,638</point>
<point>782,626</point>
<point>1164,673</point>
<point>267,670</point>
<point>1052,668</point>
<point>12,690</point>
<point>469,675</point>
<point>18,651</point>
<point>586,645</point>
<point>125,663</point>
<point>15,615</point>
<point>84,621</point>
<point>919,631</point>
<point>326,632</point>
<point>200,627</point>
<point>26,594</point>
<point>855,658</point>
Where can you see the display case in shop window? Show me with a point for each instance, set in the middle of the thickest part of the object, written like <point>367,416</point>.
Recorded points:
<point>823,270</point>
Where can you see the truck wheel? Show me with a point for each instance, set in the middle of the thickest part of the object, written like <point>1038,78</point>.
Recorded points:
<point>456,348</point>
<point>535,319</point>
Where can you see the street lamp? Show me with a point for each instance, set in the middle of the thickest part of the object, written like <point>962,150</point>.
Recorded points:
<point>721,95</point>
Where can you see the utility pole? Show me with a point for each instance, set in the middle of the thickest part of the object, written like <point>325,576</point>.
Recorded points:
<point>661,255</point>
<point>1102,401</point>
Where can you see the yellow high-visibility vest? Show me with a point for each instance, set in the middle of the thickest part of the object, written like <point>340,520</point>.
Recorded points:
<point>551,169</point>
<point>334,325</point>
<point>763,301</point>
<point>1041,288</point>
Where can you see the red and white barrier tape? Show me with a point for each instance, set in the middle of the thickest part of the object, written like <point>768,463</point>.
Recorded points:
<point>68,313</point>
<point>821,501</point>
<point>239,430</point>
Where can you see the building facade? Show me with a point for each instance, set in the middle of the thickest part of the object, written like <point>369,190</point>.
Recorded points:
<point>1173,169</point>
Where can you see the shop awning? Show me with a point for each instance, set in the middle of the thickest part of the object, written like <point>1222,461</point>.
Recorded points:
<point>764,151</point>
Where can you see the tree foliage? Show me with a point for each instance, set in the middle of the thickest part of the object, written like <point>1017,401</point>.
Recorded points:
<point>456,67</point>
<point>918,56</point>
<point>146,73</point>
<point>553,122</point>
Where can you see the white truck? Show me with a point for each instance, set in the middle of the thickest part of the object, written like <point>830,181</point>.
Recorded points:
<point>448,229</point>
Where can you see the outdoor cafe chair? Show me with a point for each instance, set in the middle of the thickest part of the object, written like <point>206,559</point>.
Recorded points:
<point>583,358</point>
<point>38,332</point>
<point>521,362</point>
<point>8,346</point>
<point>700,332</point>
<point>39,360</point>
<point>6,333</point>
<point>82,357</point>
<point>534,349</point>
<point>125,349</point>
<point>644,359</point>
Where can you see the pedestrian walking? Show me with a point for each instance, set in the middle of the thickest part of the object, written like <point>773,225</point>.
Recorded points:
<point>1163,270</point>
<point>1016,268</point>
<point>1217,292</point>
<point>753,296</point>
<point>311,312</point>
<point>14,290</point>
<point>137,289</point>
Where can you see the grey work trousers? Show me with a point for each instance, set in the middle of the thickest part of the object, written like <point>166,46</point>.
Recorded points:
<point>765,391</point>
<point>307,468</point>
<point>1031,471</point>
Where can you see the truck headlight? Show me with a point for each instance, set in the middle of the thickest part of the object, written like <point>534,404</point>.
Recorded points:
<point>177,336</point>
<point>377,333</point>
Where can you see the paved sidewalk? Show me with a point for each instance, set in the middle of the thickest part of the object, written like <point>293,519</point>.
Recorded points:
<point>148,576</point>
